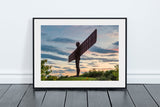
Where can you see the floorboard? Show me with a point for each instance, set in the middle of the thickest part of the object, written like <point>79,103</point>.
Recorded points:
<point>98,98</point>
<point>120,98</point>
<point>54,98</point>
<point>76,98</point>
<point>3,89</point>
<point>13,96</point>
<point>154,91</point>
<point>140,96</point>
<point>133,96</point>
<point>32,98</point>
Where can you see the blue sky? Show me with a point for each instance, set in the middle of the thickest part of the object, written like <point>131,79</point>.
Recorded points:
<point>58,42</point>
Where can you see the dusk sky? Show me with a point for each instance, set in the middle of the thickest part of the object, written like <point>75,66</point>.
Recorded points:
<point>58,42</point>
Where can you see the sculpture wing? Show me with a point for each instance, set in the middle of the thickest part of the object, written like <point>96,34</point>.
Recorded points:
<point>89,42</point>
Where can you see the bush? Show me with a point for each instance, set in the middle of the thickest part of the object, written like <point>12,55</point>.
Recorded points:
<point>111,75</point>
<point>93,73</point>
<point>103,75</point>
<point>85,74</point>
<point>61,77</point>
<point>43,77</point>
<point>51,77</point>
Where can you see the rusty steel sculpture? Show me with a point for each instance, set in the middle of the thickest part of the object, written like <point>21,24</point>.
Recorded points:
<point>82,48</point>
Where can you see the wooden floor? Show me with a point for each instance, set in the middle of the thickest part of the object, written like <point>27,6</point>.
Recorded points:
<point>134,96</point>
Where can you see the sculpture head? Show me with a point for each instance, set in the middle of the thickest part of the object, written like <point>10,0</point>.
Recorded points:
<point>77,44</point>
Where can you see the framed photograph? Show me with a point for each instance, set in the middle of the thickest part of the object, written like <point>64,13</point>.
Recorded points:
<point>79,52</point>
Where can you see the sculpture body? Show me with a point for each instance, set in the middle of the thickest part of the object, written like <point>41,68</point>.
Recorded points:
<point>75,55</point>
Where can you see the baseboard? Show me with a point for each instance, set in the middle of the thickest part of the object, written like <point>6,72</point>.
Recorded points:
<point>143,78</point>
<point>132,78</point>
<point>16,79</point>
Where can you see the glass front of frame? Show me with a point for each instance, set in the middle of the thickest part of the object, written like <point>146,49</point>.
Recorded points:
<point>79,53</point>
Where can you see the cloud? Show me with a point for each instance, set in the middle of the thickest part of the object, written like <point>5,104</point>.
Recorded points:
<point>66,67</point>
<point>104,55</point>
<point>70,70</point>
<point>53,49</point>
<point>70,48</point>
<point>101,59</point>
<point>109,60</point>
<point>56,67</point>
<point>50,62</point>
<point>113,63</point>
<point>43,34</point>
<point>111,55</point>
<point>116,43</point>
<point>53,57</point>
<point>58,71</point>
<point>83,67</point>
<point>63,40</point>
<point>101,50</point>
<point>94,54</point>
<point>71,63</point>
<point>92,64</point>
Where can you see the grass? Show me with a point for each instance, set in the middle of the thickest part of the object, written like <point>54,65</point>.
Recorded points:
<point>88,76</point>
<point>77,78</point>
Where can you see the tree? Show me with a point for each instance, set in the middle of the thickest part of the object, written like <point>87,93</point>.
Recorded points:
<point>116,68</point>
<point>45,69</point>
<point>116,73</point>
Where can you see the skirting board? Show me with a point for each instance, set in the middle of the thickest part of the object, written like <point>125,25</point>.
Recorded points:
<point>16,79</point>
<point>132,78</point>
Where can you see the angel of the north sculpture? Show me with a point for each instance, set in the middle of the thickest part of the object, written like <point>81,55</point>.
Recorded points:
<point>81,49</point>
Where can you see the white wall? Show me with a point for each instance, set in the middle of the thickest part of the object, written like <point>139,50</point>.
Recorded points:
<point>16,33</point>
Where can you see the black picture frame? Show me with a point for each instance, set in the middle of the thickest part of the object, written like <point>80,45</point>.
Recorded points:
<point>33,33</point>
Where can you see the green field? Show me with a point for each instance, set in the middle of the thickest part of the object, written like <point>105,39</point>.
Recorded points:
<point>77,78</point>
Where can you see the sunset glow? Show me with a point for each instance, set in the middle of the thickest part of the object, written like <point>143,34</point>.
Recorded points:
<point>58,42</point>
